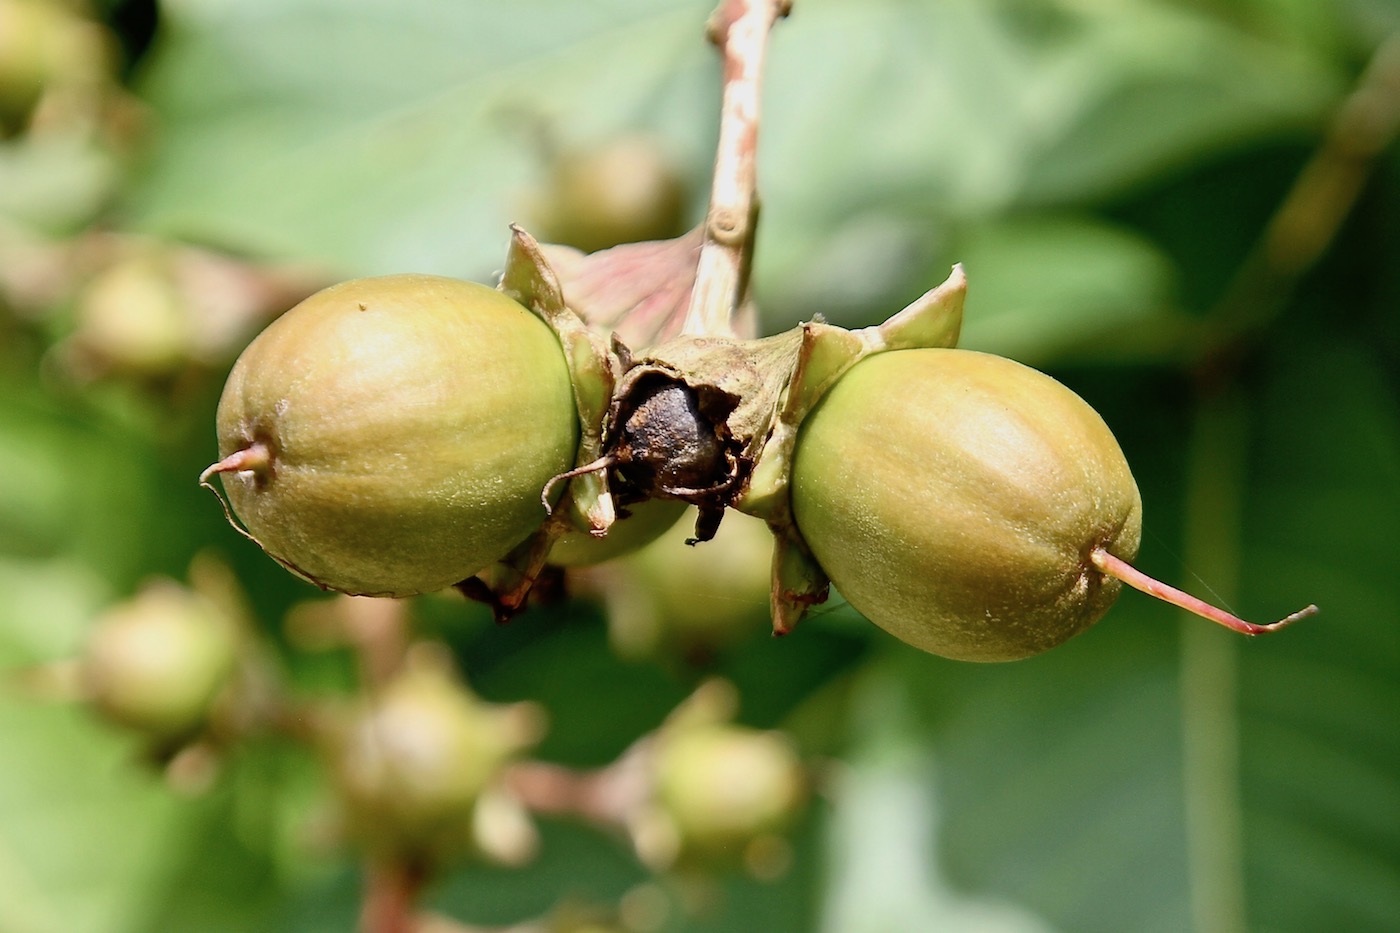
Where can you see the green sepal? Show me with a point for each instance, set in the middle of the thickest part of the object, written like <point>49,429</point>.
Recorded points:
<point>586,504</point>
<point>827,352</point>
<point>824,354</point>
<point>799,582</point>
<point>506,584</point>
<point>932,321</point>
<point>594,370</point>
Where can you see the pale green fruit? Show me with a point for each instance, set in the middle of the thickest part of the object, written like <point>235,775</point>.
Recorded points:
<point>954,498</point>
<point>391,436</point>
<point>412,763</point>
<point>646,522</point>
<point>157,662</point>
<point>725,785</point>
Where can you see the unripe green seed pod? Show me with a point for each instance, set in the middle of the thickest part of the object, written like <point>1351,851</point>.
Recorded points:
<point>955,499</point>
<point>412,764</point>
<point>623,191</point>
<point>391,436</point>
<point>726,785</point>
<point>648,521</point>
<point>157,663</point>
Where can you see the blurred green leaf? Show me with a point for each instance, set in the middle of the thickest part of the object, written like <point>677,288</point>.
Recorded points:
<point>84,836</point>
<point>954,112</point>
<point>1050,286</point>
<point>388,137</point>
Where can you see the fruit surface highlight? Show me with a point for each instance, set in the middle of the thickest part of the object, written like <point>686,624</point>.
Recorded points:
<point>391,436</point>
<point>956,499</point>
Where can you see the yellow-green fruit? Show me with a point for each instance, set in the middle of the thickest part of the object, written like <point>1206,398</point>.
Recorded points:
<point>646,522</point>
<point>158,662</point>
<point>954,499</point>
<point>725,785</point>
<point>391,436</point>
<point>624,191</point>
<point>413,762</point>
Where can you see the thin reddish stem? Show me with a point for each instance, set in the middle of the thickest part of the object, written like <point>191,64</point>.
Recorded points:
<point>1120,569</point>
<point>255,456</point>
<point>391,891</point>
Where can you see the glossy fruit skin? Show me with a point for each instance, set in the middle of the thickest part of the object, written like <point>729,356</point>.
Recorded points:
<point>954,497</point>
<point>412,421</point>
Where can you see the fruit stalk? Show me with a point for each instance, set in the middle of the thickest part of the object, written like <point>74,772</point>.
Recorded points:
<point>391,891</point>
<point>740,29</point>
<point>1126,572</point>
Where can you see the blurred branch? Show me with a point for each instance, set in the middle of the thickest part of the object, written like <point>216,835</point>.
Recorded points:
<point>607,797</point>
<point>1364,126</point>
<point>391,888</point>
<point>1302,227</point>
<point>1215,483</point>
<point>740,29</point>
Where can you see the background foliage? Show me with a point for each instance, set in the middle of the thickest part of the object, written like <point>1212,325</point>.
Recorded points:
<point>1110,174</point>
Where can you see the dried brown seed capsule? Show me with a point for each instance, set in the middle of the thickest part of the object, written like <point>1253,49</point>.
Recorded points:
<point>390,436</point>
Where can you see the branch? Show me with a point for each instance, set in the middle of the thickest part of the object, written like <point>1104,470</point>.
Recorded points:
<point>391,889</point>
<point>1312,212</point>
<point>740,29</point>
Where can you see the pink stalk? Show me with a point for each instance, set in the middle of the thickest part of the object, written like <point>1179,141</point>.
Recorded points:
<point>1122,570</point>
<point>255,456</point>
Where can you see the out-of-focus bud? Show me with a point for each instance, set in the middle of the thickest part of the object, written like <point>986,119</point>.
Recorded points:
<point>133,318</point>
<point>722,794</point>
<point>692,601</point>
<point>624,191</point>
<point>728,789</point>
<point>412,762</point>
<point>44,46</point>
<point>159,662</point>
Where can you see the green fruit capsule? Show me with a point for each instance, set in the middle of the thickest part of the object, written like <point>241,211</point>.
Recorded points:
<point>413,761</point>
<point>958,500</point>
<point>158,662</point>
<point>725,786</point>
<point>391,436</point>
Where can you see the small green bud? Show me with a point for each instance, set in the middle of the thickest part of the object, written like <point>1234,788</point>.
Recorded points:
<point>413,761</point>
<point>725,786</point>
<point>621,192</point>
<point>158,662</point>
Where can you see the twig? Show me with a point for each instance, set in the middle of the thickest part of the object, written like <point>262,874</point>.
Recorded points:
<point>1310,215</point>
<point>391,890</point>
<point>607,797</point>
<point>740,29</point>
